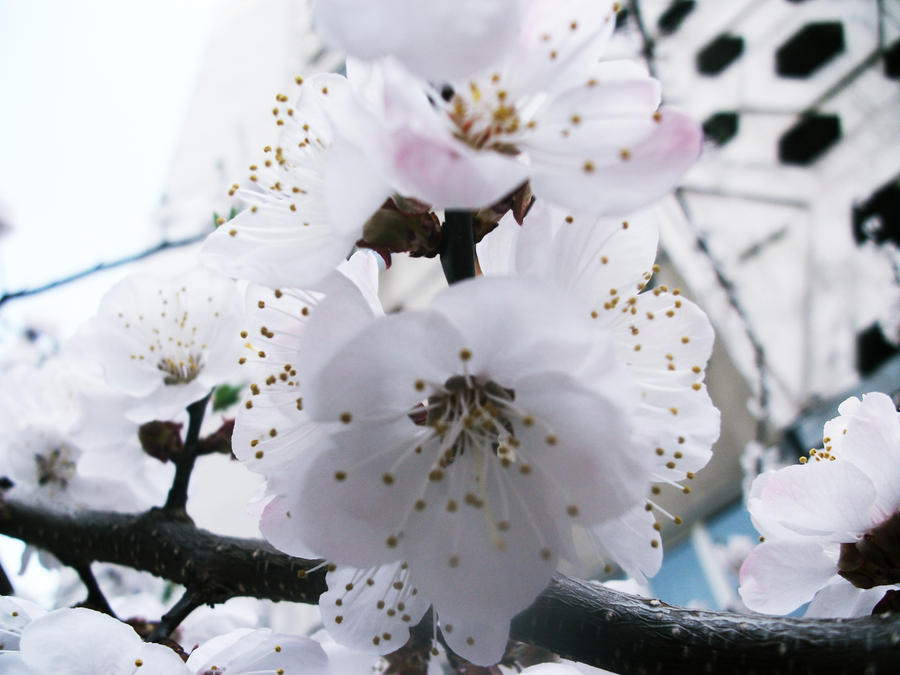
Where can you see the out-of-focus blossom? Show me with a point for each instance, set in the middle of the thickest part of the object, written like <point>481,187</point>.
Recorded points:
<point>837,512</point>
<point>248,652</point>
<point>438,40</point>
<point>167,341</point>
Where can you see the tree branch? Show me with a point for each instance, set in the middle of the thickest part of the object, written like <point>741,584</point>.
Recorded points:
<point>100,267</point>
<point>186,604</point>
<point>577,619</point>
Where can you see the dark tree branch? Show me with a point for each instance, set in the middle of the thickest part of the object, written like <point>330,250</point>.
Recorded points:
<point>95,598</point>
<point>458,246</point>
<point>100,267</point>
<point>184,461</point>
<point>6,587</point>
<point>579,620</point>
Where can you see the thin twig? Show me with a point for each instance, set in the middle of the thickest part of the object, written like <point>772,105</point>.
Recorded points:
<point>184,462</point>
<point>648,50</point>
<point>100,267</point>
<point>95,598</point>
<point>186,604</point>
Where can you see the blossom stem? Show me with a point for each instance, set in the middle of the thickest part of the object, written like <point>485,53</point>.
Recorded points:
<point>184,462</point>
<point>458,246</point>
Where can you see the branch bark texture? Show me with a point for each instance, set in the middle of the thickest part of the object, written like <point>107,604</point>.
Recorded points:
<point>576,619</point>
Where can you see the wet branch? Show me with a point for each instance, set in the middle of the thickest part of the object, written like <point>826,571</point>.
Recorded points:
<point>579,620</point>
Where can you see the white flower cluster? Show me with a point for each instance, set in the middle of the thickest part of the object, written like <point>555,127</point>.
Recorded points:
<point>450,458</point>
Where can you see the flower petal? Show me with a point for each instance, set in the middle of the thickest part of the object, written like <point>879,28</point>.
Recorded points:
<point>779,576</point>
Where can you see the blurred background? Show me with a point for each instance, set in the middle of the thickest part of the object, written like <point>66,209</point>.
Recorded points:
<point>122,124</point>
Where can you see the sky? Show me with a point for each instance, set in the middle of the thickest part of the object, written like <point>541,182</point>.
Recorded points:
<point>93,95</point>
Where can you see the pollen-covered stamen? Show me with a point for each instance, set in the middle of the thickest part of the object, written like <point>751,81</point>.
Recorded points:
<point>182,370</point>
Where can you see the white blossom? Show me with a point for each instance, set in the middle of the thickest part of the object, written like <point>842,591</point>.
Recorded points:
<point>167,342</point>
<point>805,512</point>
<point>293,232</point>
<point>438,40</point>
<point>589,134</point>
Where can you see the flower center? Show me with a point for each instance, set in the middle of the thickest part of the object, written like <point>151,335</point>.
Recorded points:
<point>471,414</point>
<point>181,371</point>
<point>481,121</point>
<point>54,468</point>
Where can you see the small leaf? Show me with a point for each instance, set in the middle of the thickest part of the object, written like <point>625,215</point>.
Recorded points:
<point>226,395</point>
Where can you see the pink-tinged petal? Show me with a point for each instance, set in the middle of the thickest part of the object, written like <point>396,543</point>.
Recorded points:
<point>364,610</point>
<point>825,500</point>
<point>628,541</point>
<point>437,40</point>
<point>779,576</point>
<point>872,443</point>
<point>625,178</point>
<point>841,599</point>
<point>84,642</point>
<point>442,171</point>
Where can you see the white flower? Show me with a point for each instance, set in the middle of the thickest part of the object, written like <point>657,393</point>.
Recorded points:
<point>438,40</point>
<point>167,341</point>
<point>64,440</point>
<point>465,440</point>
<point>254,652</point>
<point>588,134</point>
<point>806,512</point>
<point>661,339</point>
<point>84,642</point>
<point>291,235</point>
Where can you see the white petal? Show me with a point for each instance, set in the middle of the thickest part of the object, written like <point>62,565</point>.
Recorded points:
<point>872,443</point>
<point>841,599</point>
<point>84,642</point>
<point>374,616</point>
<point>627,541</point>
<point>439,41</point>
<point>258,651</point>
<point>480,639</point>
<point>779,576</point>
